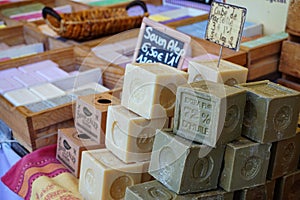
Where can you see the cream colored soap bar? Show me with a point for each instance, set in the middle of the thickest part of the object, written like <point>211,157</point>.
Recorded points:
<point>90,116</point>
<point>21,96</point>
<point>47,91</point>
<point>129,136</point>
<point>228,73</point>
<point>149,89</point>
<point>104,177</point>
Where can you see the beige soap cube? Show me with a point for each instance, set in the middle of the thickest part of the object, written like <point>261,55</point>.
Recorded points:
<point>104,177</point>
<point>129,136</point>
<point>228,73</point>
<point>90,115</point>
<point>149,89</point>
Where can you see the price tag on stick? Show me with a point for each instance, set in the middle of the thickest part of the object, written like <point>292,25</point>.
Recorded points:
<point>159,43</point>
<point>225,25</point>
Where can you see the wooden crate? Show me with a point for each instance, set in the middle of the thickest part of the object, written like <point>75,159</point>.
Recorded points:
<point>263,55</point>
<point>289,81</point>
<point>36,129</point>
<point>289,62</point>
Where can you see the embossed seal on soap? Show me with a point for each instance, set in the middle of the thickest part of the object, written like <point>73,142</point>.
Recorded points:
<point>203,168</point>
<point>251,167</point>
<point>118,187</point>
<point>90,182</point>
<point>282,118</point>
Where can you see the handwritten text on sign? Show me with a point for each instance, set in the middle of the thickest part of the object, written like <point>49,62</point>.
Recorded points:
<point>158,43</point>
<point>225,25</point>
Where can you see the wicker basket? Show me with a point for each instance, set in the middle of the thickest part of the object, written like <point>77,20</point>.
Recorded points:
<point>93,23</point>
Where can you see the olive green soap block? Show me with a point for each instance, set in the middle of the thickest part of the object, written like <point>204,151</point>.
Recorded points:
<point>154,190</point>
<point>271,111</point>
<point>265,191</point>
<point>184,166</point>
<point>209,113</point>
<point>245,164</point>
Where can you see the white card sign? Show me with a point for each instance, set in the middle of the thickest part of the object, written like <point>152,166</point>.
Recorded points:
<point>225,25</point>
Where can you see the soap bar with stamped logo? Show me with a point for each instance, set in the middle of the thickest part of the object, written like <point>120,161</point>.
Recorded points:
<point>265,191</point>
<point>227,72</point>
<point>149,89</point>
<point>129,136</point>
<point>271,111</point>
<point>284,157</point>
<point>288,186</point>
<point>184,166</point>
<point>70,145</point>
<point>91,113</point>
<point>104,176</point>
<point>245,164</point>
<point>154,190</point>
<point>209,113</point>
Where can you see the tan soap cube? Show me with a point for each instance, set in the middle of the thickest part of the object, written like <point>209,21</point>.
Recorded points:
<point>284,157</point>
<point>129,136</point>
<point>70,146</point>
<point>149,89</point>
<point>228,73</point>
<point>104,177</point>
<point>245,164</point>
<point>90,115</point>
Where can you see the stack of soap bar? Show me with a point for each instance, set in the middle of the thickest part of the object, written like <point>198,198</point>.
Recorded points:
<point>70,145</point>
<point>47,91</point>
<point>184,166</point>
<point>7,84</point>
<point>284,157</point>
<point>154,190</point>
<point>209,113</point>
<point>104,176</point>
<point>288,186</point>
<point>21,97</point>
<point>271,111</point>
<point>33,67</point>
<point>91,112</point>
<point>245,164</point>
<point>29,79</point>
<point>227,72</point>
<point>149,89</point>
<point>129,136</point>
<point>52,74</point>
<point>265,191</point>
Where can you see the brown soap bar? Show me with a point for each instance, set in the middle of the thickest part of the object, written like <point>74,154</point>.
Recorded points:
<point>288,187</point>
<point>154,190</point>
<point>209,113</point>
<point>265,191</point>
<point>245,164</point>
<point>184,166</point>
<point>70,145</point>
<point>271,111</point>
<point>284,157</point>
<point>90,116</point>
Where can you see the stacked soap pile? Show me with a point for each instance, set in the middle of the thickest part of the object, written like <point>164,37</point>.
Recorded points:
<point>42,85</point>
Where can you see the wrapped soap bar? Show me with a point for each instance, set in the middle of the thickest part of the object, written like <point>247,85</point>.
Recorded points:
<point>129,136</point>
<point>104,177</point>
<point>271,111</point>
<point>70,145</point>
<point>245,164</point>
<point>149,89</point>
<point>184,166</point>
<point>91,113</point>
<point>209,113</point>
<point>154,190</point>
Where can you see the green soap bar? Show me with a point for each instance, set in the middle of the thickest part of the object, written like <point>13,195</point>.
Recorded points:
<point>265,191</point>
<point>154,190</point>
<point>22,9</point>
<point>284,157</point>
<point>184,166</point>
<point>271,111</point>
<point>245,164</point>
<point>209,113</point>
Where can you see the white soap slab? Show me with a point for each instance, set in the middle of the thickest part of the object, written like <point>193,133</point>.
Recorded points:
<point>110,56</point>
<point>181,12</point>
<point>22,51</point>
<point>8,84</point>
<point>8,73</point>
<point>105,48</point>
<point>29,79</point>
<point>82,78</point>
<point>52,74</point>
<point>38,66</point>
<point>21,97</point>
<point>47,91</point>
<point>94,86</point>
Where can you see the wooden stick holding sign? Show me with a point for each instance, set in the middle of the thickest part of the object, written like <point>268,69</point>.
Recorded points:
<point>225,25</point>
<point>159,43</point>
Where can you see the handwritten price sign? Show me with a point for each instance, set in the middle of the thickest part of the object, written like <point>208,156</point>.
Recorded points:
<point>159,43</point>
<point>225,25</point>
